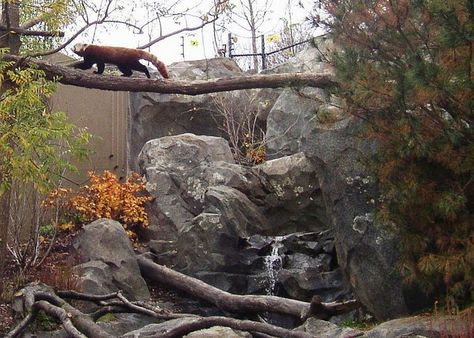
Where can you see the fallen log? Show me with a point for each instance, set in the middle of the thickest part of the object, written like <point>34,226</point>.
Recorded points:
<point>79,325</point>
<point>241,303</point>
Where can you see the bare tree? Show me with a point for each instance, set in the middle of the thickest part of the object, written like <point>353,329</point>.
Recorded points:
<point>250,15</point>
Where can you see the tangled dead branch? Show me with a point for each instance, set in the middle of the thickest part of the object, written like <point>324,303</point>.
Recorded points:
<point>77,324</point>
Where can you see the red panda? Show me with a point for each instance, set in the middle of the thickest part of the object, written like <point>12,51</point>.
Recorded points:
<point>126,59</point>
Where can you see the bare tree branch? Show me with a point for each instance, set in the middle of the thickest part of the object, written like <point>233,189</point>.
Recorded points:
<point>33,22</point>
<point>107,82</point>
<point>62,315</point>
<point>22,326</point>
<point>31,33</point>
<point>76,323</point>
<point>40,297</point>
<point>186,29</point>
<point>242,325</point>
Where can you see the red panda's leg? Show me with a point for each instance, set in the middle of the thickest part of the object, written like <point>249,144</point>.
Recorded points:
<point>125,69</point>
<point>141,68</point>
<point>100,68</point>
<point>86,64</point>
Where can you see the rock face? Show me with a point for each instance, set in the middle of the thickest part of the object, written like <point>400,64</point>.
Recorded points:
<point>366,252</point>
<point>312,122</point>
<point>109,261</point>
<point>157,115</point>
<point>154,330</point>
<point>295,202</point>
<point>423,326</point>
<point>206,210</point>
<point>314,180</point>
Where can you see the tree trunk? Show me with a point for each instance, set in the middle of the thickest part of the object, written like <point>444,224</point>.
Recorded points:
<point>4,222</point>
<point>10,18</point>
<point>253,31</point>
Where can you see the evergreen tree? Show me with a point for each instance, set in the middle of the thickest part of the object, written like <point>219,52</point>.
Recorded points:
<point>406,68</point>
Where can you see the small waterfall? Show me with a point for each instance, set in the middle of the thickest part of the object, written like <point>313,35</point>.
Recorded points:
<point>273,264</point>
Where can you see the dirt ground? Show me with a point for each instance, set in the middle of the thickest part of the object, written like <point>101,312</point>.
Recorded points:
<point>55,271</point>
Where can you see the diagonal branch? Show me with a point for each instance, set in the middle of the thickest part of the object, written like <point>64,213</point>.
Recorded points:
<point>81,78</point>
<point>186,29</point>
<point>239,303</point>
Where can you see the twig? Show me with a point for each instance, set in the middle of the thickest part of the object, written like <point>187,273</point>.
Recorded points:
<point>18,330</point>
<point>63,316</point>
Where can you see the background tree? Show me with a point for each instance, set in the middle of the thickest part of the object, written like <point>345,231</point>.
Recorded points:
<point>406,68</point>
<point>32,136</point>
<point>250,15</point>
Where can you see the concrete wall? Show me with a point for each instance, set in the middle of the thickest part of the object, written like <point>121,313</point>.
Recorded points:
<point>104,114</point>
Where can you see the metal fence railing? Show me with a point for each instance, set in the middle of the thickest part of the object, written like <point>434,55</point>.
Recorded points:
<point>265,58</point>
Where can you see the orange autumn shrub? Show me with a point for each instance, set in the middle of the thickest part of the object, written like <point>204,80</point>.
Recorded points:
<point>106,197</point>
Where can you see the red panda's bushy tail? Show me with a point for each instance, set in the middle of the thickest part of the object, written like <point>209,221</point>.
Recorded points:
<point>156,62</point>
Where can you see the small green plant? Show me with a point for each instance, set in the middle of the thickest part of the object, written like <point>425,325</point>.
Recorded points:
<point>47,230</point>
<point>363,325</point>
<point>44,322</point>
<point>108,317</point>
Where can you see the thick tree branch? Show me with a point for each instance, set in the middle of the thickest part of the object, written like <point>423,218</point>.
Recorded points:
<point>23,325</point>
<point>238,303</point>
<point>39,296</point>
<point>85,79</point>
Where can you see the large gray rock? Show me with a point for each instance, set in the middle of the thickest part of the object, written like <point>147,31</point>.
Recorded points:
<point>424,326</point>
<point>366,250</point>
<point>294,201</point>
<point>218,332</point>
<point>109,261</point>
<point>155,330</point>
<point>312,59</point>
<point>324,329</point>
<point>198,191</point>
<point>179,170</point>
<point>292,116</point>
<point>156,115</point>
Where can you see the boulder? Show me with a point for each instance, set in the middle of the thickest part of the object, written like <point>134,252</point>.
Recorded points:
<point>109,262</point>
<point>155,330</point>
<point>424,326</point>
<point>179,171</point>
<point>366,250</point>
<point>323,329</point>
<point>293,202</point>
<point>312,59</point>
<point>218,332</point>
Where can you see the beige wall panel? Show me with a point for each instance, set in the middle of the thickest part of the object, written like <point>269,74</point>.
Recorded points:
<point>104,114</point>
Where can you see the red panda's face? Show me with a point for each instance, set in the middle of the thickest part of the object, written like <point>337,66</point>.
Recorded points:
<point>79,48</point>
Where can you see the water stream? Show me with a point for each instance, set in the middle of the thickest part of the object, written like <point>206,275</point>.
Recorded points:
<point>273,264</point>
